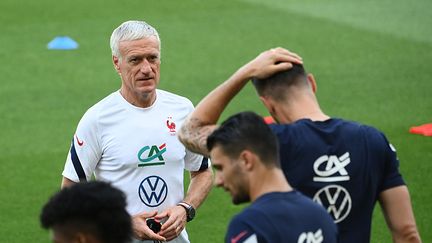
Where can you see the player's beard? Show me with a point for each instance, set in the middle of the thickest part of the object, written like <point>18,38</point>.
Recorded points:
<point>241,193</point>
<point>241,197</point>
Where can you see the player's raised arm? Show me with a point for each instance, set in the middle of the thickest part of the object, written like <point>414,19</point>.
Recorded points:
<point>202,121</point>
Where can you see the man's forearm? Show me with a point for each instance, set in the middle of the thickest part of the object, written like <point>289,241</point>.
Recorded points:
<point>199,187</point>
<point>397,209</point>
<point>193,134</point>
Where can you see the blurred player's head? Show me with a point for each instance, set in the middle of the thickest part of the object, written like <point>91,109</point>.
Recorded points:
<point>131,30</point>
<point>240,141</point>
<point>286,87</point>
<point>91,212</point>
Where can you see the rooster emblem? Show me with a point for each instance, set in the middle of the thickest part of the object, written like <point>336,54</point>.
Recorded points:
<point>171,125</point>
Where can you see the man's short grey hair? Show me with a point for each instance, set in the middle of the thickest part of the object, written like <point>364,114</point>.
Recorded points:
<point>131,30</point>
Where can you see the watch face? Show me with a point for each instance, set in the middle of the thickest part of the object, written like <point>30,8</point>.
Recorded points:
<point>191,213</point>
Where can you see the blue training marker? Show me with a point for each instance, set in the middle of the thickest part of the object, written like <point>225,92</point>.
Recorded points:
<point>62,43</point>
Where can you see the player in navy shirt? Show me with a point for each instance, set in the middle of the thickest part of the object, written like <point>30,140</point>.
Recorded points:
<point>244,153</point>
<point>345,166</point>
<point>343,174</point>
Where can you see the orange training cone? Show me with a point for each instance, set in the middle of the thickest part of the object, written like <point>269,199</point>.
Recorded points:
<point>269,120</point>
<point>425,130</point>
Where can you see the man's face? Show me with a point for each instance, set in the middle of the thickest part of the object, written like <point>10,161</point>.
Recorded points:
<point>63,234</point>
<point>58,236</point>
<point>139,68</point>
<point>230,175</point>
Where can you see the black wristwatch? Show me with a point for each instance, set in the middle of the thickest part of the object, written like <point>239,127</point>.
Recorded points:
<point>190,211</point>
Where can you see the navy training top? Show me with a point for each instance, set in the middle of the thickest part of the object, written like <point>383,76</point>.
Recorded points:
<point>342,165</point>
<point>282,217</point>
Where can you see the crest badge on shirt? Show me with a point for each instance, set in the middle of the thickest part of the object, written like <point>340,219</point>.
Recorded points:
<point>171,125</point>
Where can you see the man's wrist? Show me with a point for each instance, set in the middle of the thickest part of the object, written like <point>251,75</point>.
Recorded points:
<point>190,210</point>
<point>247,72</point>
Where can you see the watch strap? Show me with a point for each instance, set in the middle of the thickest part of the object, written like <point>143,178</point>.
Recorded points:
<point>188,209</point>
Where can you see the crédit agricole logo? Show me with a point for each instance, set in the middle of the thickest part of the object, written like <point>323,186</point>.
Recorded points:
<point>151,155</point>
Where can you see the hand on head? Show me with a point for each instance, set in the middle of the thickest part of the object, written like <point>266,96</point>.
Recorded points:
<point>272,61</point>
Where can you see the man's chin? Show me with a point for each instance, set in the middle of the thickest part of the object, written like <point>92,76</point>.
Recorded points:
<point>146,90</point>
<point>240,200</point>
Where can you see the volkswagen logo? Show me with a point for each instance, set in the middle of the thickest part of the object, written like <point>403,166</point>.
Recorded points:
<point>153,191</point>
<point>336,200</point>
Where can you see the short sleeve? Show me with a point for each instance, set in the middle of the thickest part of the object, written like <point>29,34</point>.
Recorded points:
<point>240,232</point>
<point>392,176</point>
<point>85,151</point>
<point>196,162</point>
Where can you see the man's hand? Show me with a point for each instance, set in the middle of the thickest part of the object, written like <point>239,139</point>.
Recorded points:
<point>270,62</point>
<point>175,223</point>
<point>141,230</point>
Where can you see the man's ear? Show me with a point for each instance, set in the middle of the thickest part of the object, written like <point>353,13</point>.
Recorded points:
<point>116,61</point>
<point>268,103</point>
<point>247,159</point>
<point>312,82</point>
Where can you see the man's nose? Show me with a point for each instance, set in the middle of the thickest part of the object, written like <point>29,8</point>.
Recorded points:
<point>218,181</point>
<point>145,66</point>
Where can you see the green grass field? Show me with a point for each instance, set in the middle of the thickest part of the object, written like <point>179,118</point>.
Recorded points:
<point>371,61</point>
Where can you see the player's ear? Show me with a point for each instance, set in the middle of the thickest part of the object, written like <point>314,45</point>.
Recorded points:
<point>312,82</point>
<point>116,61</point>
<point>268,103</point>
<point>247,159</point>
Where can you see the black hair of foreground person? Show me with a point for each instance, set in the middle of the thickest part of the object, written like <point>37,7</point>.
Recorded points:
<point>91,212</point>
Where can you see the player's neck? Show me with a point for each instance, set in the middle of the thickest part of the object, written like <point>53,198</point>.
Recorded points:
<point>143,101</point>
<point>270,180</point>
<point>305,109</point>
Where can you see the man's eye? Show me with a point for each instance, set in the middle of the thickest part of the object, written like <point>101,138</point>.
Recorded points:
<point>217,168</point>
<point>134,60</point>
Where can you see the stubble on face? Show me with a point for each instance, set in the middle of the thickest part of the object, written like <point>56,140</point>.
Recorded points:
<point>240,193</point>
<point>230,176</point>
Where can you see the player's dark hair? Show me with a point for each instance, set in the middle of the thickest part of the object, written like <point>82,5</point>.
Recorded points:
<point>92,207</point>
<point>277,85</point>
<point>246,130</point>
